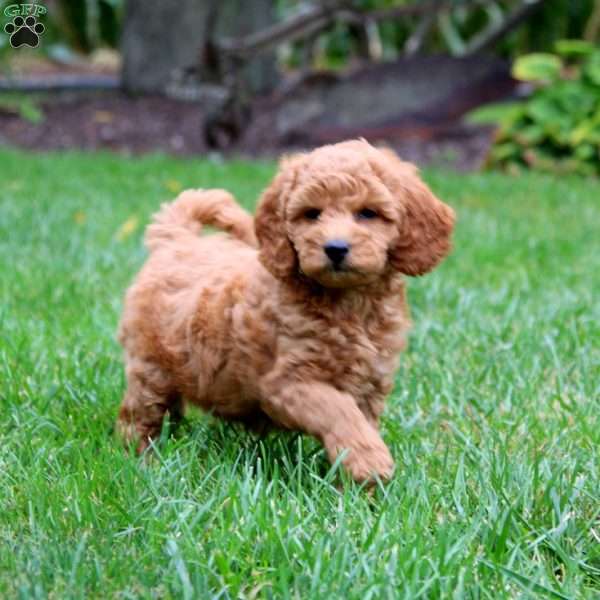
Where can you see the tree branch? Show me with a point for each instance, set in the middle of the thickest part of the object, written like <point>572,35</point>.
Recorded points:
<point>319,17</point>
<point>297,27</point>
<point>417,37</point>
<point>495,33</point>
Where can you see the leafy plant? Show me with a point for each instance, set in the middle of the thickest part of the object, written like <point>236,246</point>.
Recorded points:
<point>26,107</point>
<point>557,128</point>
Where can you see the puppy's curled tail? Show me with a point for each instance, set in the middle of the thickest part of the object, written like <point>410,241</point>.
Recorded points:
<point>192,209</point>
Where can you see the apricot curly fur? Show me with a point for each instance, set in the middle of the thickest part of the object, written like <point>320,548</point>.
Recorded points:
<point>259,325</point>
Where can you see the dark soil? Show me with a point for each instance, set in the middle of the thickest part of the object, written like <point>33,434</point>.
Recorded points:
<point>118,122</point>
<point>108,120</point>
<point>415,105</point>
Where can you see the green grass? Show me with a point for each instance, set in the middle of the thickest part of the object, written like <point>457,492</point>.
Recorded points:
<point>494,421</point>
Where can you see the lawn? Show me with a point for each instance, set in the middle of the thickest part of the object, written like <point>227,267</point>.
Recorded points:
<point>494,421</point>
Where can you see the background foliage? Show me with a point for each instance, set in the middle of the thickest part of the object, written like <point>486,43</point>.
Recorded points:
<point>84,25</point>
<point>557,128</point>
<point>449,32</point>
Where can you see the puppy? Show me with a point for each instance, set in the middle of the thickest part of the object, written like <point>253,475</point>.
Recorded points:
<point>294,318</point>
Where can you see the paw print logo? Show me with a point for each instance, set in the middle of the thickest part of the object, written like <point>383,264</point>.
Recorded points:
<point>24,32</point>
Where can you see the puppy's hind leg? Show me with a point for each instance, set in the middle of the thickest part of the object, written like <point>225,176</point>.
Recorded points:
<point>149,396</point>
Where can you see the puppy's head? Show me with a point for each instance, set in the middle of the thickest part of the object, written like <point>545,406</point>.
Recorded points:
<point>346,215</point>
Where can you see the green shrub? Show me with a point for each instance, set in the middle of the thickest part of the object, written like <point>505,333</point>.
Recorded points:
<point>557,128</point>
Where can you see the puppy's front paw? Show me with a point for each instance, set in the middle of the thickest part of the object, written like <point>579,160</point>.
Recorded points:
<point>130,437</point>
<point>367,459</point>
<point>126,432</point>
<point>365,464</point>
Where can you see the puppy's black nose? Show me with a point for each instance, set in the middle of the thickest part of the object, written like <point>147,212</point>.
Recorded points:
<point>336,250</point>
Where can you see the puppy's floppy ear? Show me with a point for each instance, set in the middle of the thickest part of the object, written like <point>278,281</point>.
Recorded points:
<point>276,252</point>
<point>426,223</point>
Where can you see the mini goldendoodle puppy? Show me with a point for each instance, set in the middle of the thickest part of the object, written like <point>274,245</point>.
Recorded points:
<point>295,317</point>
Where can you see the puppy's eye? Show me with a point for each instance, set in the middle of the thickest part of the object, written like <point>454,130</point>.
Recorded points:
<point>367,213</point>
<point>312,214</point>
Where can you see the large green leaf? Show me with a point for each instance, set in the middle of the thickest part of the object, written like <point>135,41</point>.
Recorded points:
<point>529,135</point>
<point>537,67</point>
<point>585,151</point>
<point>574,48</point>
<point>505,151</point>
<point>586,131</point>
<point>574,98</point>
<point>544,110</point>
<point>501,113</point>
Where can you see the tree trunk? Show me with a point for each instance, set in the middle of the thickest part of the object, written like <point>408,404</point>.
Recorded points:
<point>160,38</point>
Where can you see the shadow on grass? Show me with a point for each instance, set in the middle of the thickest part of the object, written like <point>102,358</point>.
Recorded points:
<point>272,452</point>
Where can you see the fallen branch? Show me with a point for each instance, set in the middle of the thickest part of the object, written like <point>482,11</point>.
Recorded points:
<point>224,60</point>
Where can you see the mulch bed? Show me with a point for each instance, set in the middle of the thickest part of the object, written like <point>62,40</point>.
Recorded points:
<point>115,121</point>
<point>109,121</point>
